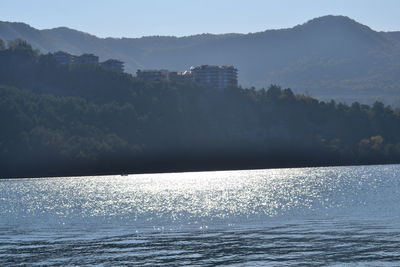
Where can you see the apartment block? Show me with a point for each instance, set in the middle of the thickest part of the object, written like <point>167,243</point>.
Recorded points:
<point>63,57</point>
<point>66,58</point>
<point>87,59</point>
<point>218,77</point>
<point>180,76</point>
<point>114,65</point>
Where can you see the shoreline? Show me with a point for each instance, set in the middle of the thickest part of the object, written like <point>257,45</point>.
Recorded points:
<point>183,170</point>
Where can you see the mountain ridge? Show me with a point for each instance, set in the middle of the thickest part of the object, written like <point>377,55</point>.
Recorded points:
<point>339,18</point>
<point>329,57</point>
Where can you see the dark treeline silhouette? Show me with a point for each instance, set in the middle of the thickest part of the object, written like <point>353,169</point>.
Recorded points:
<point>83,119</point>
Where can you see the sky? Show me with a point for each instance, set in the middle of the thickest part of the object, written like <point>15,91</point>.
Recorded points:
<point>136,18</point>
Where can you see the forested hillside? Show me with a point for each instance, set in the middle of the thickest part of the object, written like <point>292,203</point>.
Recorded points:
<point>328,57</point>
<point>84,119</point>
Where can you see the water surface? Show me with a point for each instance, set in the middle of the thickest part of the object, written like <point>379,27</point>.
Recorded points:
<point>310,216</point>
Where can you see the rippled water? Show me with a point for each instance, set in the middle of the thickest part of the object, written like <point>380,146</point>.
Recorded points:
<point>310,216</point>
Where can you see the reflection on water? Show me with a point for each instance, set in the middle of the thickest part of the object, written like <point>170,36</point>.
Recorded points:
<point>309,216</point>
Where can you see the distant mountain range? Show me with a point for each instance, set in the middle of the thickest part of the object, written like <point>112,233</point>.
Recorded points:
<point>327,57</point>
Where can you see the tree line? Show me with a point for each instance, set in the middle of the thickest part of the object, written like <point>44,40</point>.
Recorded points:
<point>84,119</point>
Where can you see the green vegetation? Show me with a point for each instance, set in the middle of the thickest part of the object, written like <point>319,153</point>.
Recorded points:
<point>84,119</point>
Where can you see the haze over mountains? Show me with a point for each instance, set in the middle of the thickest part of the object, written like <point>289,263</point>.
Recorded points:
<point>328,57</point>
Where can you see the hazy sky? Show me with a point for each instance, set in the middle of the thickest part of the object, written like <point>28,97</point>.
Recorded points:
<point>135,18</point>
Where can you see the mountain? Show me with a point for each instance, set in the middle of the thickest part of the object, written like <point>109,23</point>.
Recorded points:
<point>328,57</point>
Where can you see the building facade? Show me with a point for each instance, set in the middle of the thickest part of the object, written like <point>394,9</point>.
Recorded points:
<point>87,59</point>
<point>215,77</point>
<point>114,65</point>
<point>218,77</point>
<point>180,76</point>
<point>66,58</point>
<point>63,57</point>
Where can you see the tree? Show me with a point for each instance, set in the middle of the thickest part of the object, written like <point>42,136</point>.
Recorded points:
<point>274,91</point>
<point>23,46</point>
<point>2,45</point>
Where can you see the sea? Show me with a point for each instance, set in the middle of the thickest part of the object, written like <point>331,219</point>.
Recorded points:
<point>330,216</point>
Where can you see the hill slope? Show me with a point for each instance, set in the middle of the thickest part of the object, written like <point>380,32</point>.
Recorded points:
<point>84,119</point>
<point>329,57</point>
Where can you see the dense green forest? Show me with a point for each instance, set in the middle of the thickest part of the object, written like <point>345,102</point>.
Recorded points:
<point>82,119</point>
